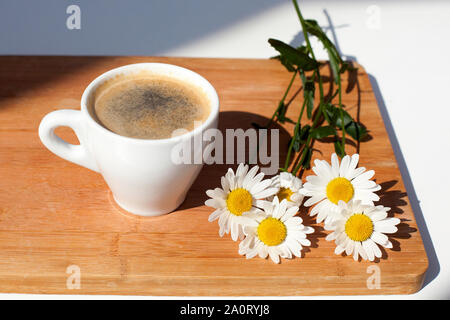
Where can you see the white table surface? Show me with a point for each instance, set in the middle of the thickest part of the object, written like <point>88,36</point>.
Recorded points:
<point>404,46</point>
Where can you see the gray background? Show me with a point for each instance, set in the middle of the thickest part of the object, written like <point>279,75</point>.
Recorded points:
<point>113,27</point>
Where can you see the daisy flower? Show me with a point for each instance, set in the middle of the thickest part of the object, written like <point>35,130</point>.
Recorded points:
<point>277,233</point>
<point>289,188</point>
<point>361,229</point>
<point>338,182</point>
<point>237,202</point>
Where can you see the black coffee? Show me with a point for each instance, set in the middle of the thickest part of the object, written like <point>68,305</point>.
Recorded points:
<point>150,107</point>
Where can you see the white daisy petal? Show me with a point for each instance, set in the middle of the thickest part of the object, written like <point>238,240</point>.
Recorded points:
<point>223,219</point>
<point>231,179</point>
<point>344,166</point>
<point>386,225</point>
<point>368,250</point>
<point>215,203</point>
<point>335,164</point>
<point>216,193</point>
<point>304,242</point>
<point>377,215</point>
<point>388,245</point>
<point>241,172</point>
<point>357,250</point>
<point>375,249</point>
<point>263,250</point>
<point>338,250</point>
<point>285,252</point>
<point>251,253</point>
<point>308,230</point>
<point>295,247</point>
<point>314,199</point>
<point>265,205</point>
<point>317,208</point>
<point>292,221</point>
<point>215,215</point>
<point>331,237</point>
<point>234,230</point>
<point>266,193</point>
<point>322,216</point>
<point>354,173</point>
<point>225,184</point>
<point>249,177</point>
<point>354,161</point>
<point>260,186</point>
<point>362,251</point>
<point>274,255</point>
<point>379,238</point>
<point>290,213</point>
<point>366,184</point>
<point>365,176</point>
<point>349,248</point>
<point>315,181</point>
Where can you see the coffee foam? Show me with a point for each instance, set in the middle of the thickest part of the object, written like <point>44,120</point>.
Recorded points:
<point>149,106</point>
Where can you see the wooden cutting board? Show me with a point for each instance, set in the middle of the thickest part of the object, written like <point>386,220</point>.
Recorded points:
<point>57,218</point>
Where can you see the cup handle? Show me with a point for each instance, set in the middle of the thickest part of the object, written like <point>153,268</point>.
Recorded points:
<point>78,154</point>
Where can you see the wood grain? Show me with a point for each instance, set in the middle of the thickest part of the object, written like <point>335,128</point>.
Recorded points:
<point>54,214</point>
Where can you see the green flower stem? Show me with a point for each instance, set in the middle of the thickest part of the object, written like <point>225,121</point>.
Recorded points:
<point>340,109</point>
<point>303,155</point>
<point>321,112</point>
<point>282,99</point>
<point>308,44</point>
<point>291,145</point>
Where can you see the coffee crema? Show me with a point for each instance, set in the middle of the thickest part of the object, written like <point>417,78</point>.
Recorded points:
<point>149,106</point>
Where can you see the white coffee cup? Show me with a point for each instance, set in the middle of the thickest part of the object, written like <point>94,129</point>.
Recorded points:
<point>141,174</point>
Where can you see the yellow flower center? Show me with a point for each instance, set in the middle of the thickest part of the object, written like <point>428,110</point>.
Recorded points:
<point>340,189</point>
<point>239,201</point>
<point>359,227</point>
<point>284,193</point>
<point>272,231</point>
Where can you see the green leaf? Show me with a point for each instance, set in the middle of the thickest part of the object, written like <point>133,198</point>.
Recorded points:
<point>334,116</point>
<point>340,151</point>
<point>356,131</point>
<point>330,110</point>
<point>297,141</point>
<point>322,132</point>
<point>281,113</point>
<point>306,163</point>
<point>281,110</point>
<point>308,94</point>
<point>285,63</point>
<point>303,49</point>
<point>313,28</point>
<point>293,56</point>
<point>302,76</point>
<point>347,118</point>
<point>304,133</point>
<point>284,119</point>
<point>300,137</point>
<point>334,64</point>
